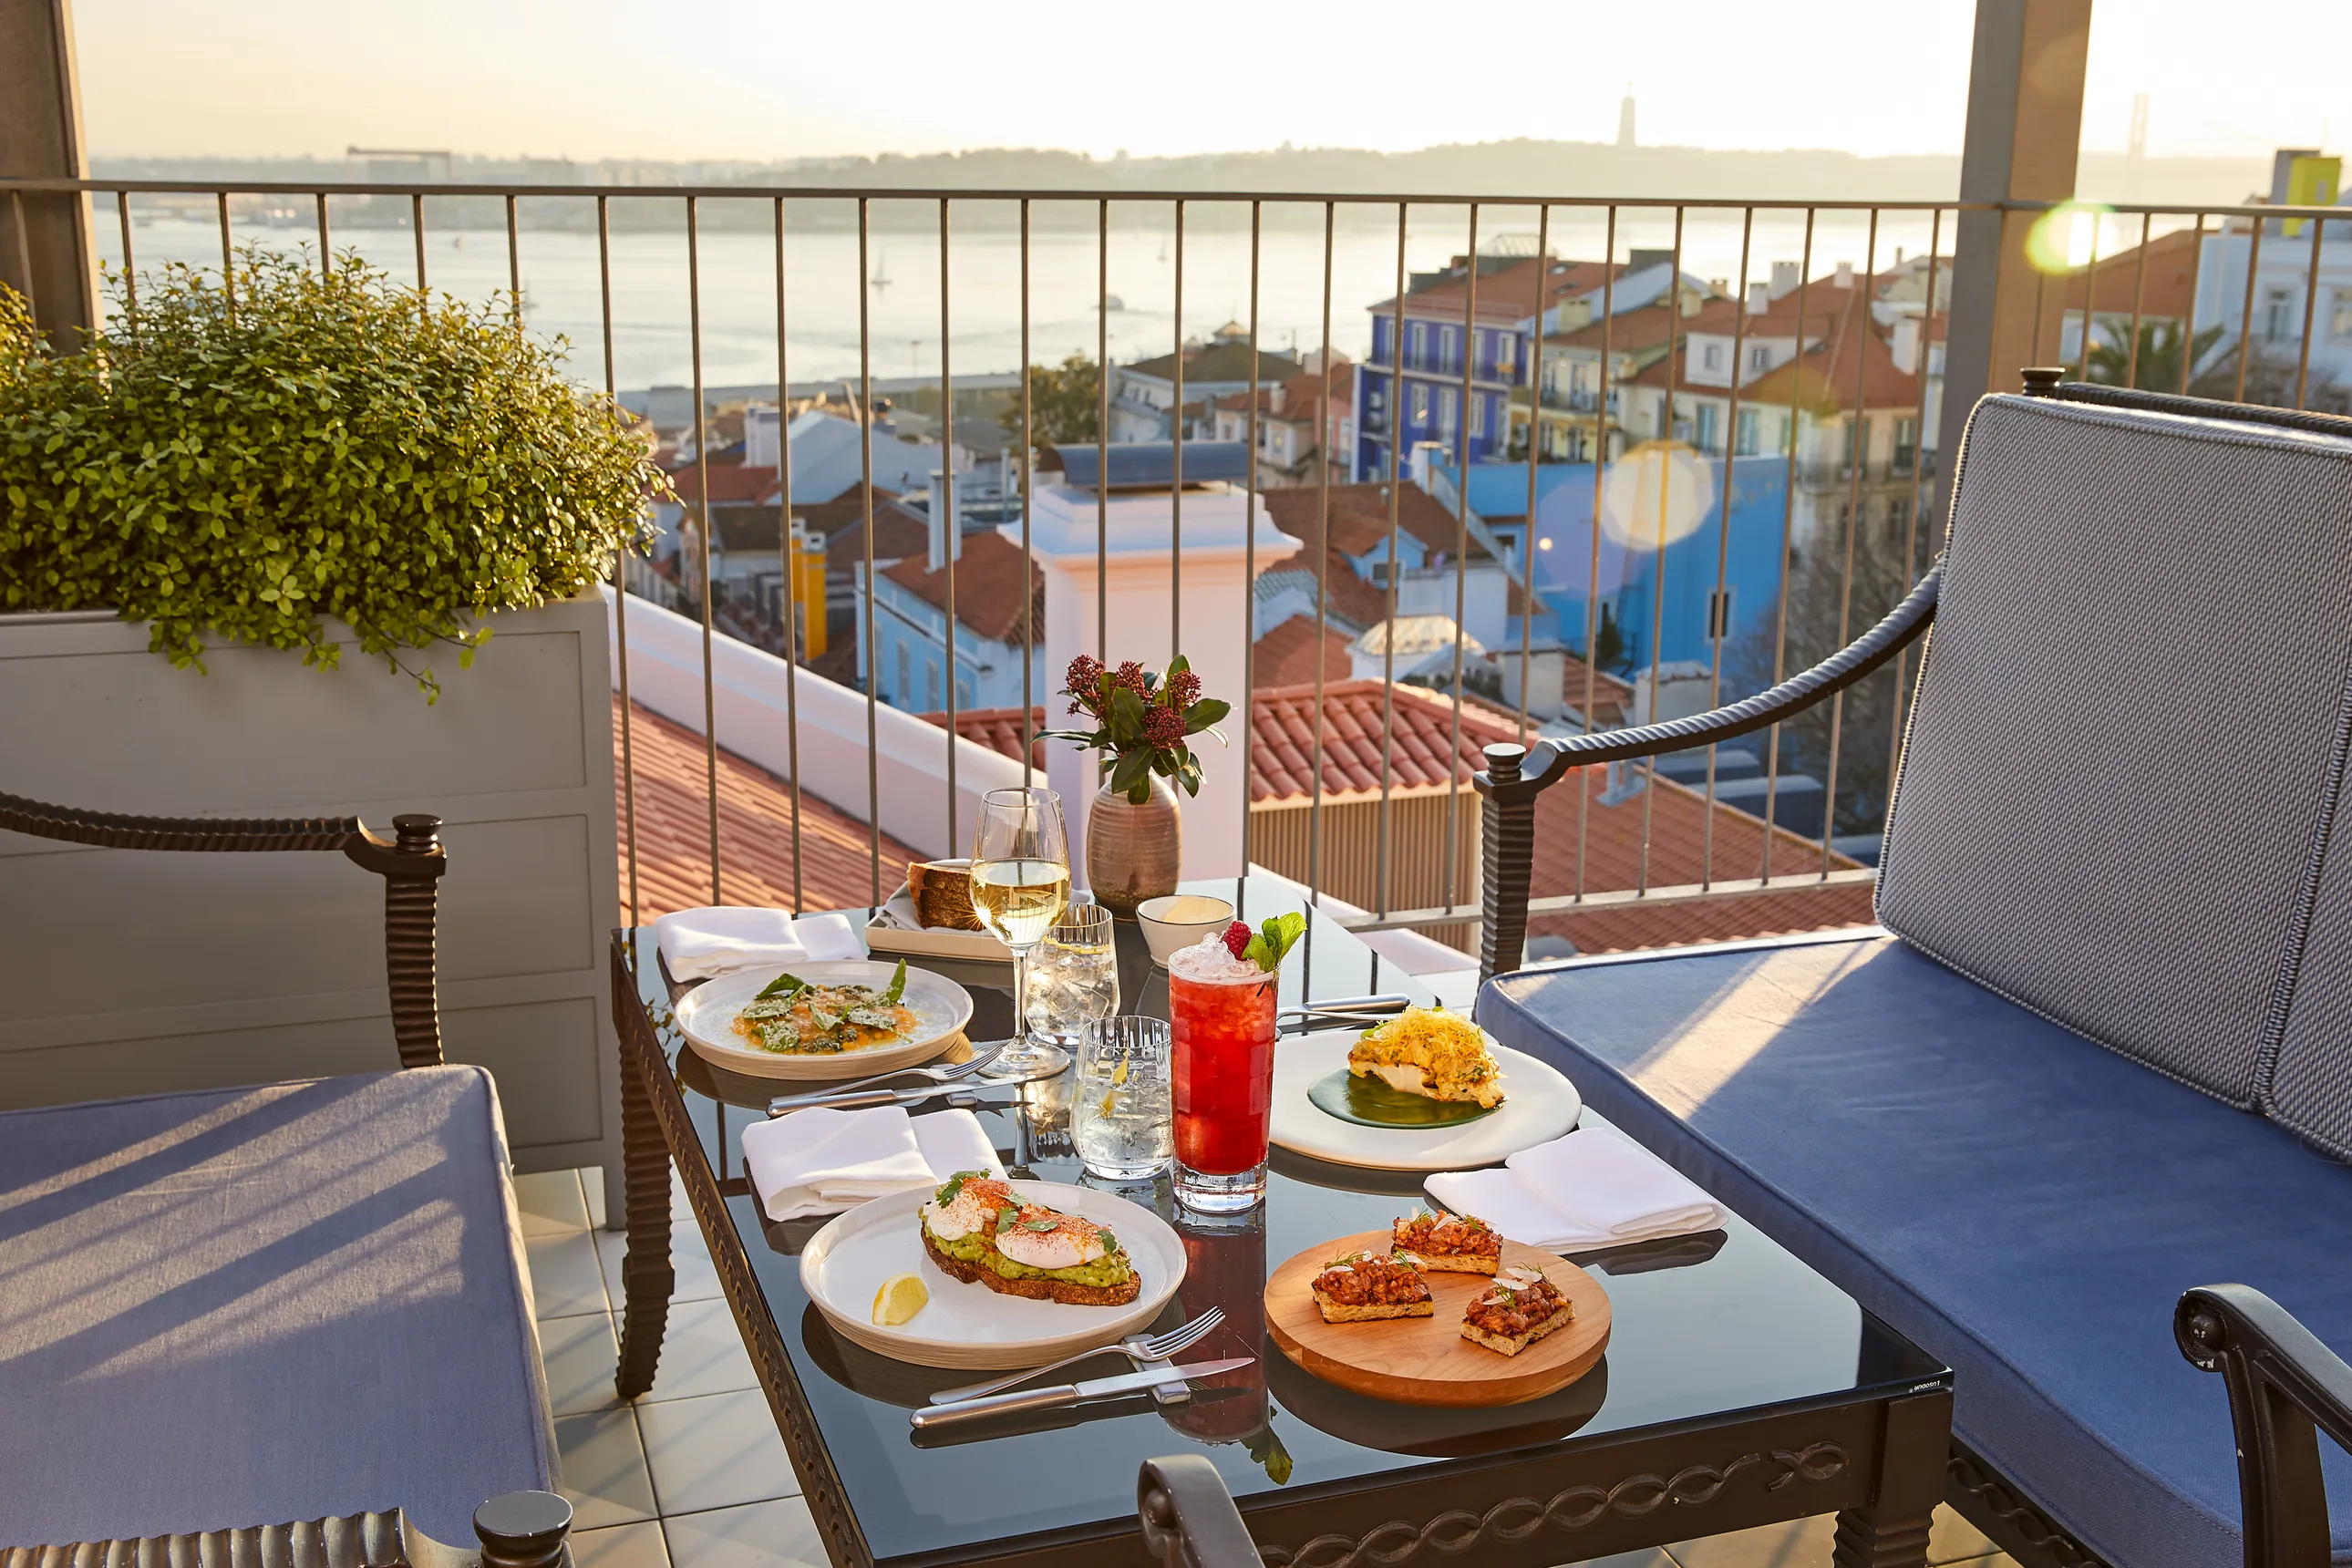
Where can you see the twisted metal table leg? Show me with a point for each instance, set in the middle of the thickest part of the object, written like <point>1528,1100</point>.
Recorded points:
<point>647,1274</point>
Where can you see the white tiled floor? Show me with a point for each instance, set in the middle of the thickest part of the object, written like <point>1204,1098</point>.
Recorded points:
<point>694,1475</point>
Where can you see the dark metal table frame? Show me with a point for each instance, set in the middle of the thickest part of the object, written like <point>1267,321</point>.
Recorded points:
<point>1878,1462</point>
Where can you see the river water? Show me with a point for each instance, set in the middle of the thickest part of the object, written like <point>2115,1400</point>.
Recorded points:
<point>652,339</point>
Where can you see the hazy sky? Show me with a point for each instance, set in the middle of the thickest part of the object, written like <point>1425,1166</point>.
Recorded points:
<point>770,78</point>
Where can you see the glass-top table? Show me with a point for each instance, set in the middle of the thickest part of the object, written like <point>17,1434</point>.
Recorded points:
<point>1739,1387</point>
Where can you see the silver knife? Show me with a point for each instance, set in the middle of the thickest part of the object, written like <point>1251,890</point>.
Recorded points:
<point>1067,1393</point>
<point>854,1098</point>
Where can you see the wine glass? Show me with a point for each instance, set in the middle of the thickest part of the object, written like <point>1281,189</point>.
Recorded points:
<point>1020,885</point>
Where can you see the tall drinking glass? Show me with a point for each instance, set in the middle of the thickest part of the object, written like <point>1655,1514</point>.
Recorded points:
<point>1020,885</point>
<point>1221,1015</point>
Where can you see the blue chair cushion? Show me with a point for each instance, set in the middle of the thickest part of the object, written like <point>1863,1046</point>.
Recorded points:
<point>2066,748</point>
<point>2023,1204</point>
<point>246,1305</point>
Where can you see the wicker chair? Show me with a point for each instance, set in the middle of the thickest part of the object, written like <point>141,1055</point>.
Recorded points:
<point>361,1199</point>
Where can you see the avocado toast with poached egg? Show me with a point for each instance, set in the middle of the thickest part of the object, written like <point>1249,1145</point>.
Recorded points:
<point>979,1230</point>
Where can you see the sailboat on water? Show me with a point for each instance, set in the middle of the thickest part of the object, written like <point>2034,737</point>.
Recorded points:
<point>881,280</point>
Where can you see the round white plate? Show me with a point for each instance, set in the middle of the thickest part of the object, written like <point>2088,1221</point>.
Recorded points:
<point>1539,1105</point>
<point>970,1326</point>
<point>705,1015</point>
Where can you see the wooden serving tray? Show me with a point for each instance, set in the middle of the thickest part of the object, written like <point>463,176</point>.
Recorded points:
<point>1425,1360</point>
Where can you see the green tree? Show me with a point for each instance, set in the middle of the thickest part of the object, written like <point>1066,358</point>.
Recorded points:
<point>1064,402</point>
<point>2269,376</point>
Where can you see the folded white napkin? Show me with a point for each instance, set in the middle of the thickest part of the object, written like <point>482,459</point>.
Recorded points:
<point>698,943</point>
<point>1588,1190</point>
<point>822,1161</point>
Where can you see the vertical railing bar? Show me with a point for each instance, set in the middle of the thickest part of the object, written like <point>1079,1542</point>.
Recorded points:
<point>514,263</point>
<point>1720,608</point>
<point>793,607</point>
<point>2090,296</point>
<point>1593,569</point>
<point>229,257</point>
<point>1534,371</point>
<point>2196,281</point>
<point>24,242</point>
<point>953,535</point>
<point>1176,489</point>
<point>326,262</point>
<point>2041,309</point>
<point>1788,532</point>
<point>2246,315</point>
<point>702,508</point>
<point>1248,704</point>
<point>1102,432</point>
<point>129,269</point>
<point>1918,494</point>
<point>620,568</point>
<point>416,228</point>
<point>1028,560</point>
<point>1323,566</point>
<point>1854,500</point>
<point>2310,312</point>
<point>866,476</point>
<point>1658,595</point>
<point>1449,869</point>
<point>1388,638</point>
<point>2139,303</point>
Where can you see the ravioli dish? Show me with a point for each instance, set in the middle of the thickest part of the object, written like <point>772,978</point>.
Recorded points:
<point>1433,1053</point>
<point>978,1230</point>
<point>794,1018</point>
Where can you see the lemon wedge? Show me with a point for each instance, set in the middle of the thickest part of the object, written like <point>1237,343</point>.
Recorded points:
<point>901,1297</point>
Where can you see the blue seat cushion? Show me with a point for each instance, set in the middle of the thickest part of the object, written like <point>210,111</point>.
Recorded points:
<point>246,1305</point>
<point>2023,1204</point>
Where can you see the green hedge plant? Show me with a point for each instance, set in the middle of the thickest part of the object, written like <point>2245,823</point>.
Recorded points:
<point>240,462</point>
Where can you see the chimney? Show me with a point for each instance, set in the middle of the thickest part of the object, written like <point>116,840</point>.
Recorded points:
<point>1845,274</point>
<point>1418,461</point>
<point>946,526</point>
<point>1786,276</point>
<point>1759,299</point>
<point>1275,399</point>
<point>1905,349</point>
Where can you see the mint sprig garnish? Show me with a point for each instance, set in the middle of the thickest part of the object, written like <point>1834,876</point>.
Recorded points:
<point>1272,941</point>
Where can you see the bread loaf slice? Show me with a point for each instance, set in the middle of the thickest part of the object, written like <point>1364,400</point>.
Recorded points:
<point>941,891</point>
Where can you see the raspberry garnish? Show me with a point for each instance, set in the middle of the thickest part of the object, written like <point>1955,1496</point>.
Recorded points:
<point>1237,936</point>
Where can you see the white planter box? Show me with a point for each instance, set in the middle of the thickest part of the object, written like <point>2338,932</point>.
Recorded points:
<point>124,973</point>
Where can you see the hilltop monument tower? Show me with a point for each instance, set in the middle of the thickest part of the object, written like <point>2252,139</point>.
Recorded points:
<point>1625,118</point>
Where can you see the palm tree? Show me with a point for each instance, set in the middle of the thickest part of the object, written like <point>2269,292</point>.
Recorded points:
<point>2158,367</point>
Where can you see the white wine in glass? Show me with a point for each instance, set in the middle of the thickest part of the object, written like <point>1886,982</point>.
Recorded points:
<point>1020,885</point>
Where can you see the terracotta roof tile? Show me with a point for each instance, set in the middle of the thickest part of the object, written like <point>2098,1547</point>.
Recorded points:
<point>731,483</point>
<point>1359,517</point>
<point>987,583</point>
<point>1286,655</point>
<point>755,838</point>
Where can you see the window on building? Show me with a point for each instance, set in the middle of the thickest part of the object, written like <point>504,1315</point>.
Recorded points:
<point>1417,343</point>
<point>1448,411</point>
<point>1446,353</point>
<point>1758,359</point>
<point>1744,436</point>
<point>931,686</point>
<point>1850,437</point>
<point>964,692</point>
<point>1906,443</point>
<point>1421,402</point>
<point>2340,315</point>
<point>1718,613</point>
<point>1713,359</point>
<point>1710,426</point>
<point>1898,513</point>
<point>1477,415</point>
<point>905,690</point>
<point>2278,315</point>
<point>1506,351</point>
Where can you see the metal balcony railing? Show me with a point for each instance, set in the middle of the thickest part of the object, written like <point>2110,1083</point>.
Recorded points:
<point>1797,618</point>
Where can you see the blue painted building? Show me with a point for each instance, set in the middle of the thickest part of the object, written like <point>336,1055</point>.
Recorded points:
<point>1632,579</point>
<point>1431,406</point>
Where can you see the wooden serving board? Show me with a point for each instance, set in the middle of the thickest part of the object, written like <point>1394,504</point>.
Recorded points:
<point>1425,1360</point>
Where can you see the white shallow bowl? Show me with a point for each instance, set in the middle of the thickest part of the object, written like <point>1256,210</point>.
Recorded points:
<point>1179,919</point>
<point>707,1014</point>
<point>969,1326</point>
<point>1539,1105</point>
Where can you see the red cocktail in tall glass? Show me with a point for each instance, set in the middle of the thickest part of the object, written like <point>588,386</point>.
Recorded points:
<point>1221,1015</point>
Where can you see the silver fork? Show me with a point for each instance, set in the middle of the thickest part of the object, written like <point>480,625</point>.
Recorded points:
<point>1137,1348</point>
<point>955,1072</point>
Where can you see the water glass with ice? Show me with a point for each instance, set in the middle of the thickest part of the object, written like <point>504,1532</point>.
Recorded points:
<point>1120,1107</point>
<point>1073,976</point>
